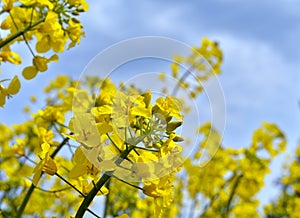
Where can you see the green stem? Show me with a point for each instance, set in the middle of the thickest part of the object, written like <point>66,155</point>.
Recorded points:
<point>70,184</point>
<point>60,146</point>
<point>114,144</point>
<point>147,149</point>
<point>89,198</point>
<point>25,201</point>
<point>235,185</point>
<point>21,32</point>
<point>105,177</point>
<point>127,183</point>
<point>23,36</point>
<point>52,191</point>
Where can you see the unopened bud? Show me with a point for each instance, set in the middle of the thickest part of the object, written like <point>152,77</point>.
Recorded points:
<point>171,126</point>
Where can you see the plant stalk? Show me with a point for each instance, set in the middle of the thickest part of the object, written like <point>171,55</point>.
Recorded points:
<point>20,33</point>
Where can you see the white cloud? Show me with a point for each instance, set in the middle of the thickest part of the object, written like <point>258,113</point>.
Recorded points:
<point>260,84</point>
<point>119,20</point>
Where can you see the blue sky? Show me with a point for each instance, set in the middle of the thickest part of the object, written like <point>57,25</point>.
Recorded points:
<point>259,39</point>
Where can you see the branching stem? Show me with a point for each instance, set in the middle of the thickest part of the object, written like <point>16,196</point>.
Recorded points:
<point>20,33</point>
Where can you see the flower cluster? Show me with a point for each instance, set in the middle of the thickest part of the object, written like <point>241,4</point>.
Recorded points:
<point>12,89</point>
<point>288,202</point>
<point>233,177</point>
<point>52,25</point>
<point>203,63</point>
<point>126,137</point>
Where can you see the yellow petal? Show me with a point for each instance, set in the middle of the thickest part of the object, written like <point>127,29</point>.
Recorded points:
<point>151,190</point>
<point>6,24</point>
<point>85,5</point>
<point>79,157</point>
<point>45,148</point>
<point>147,98</point>
<point>54,58</point>
<point>46,3</point>
<point>49,166</point>
<point>14,86</point>
<point>29,72</point>
<point>58,45</point>
<point>103,191</point>
<point>19,150</point>
<point>104,128</point>
<point>14,58</point>
<point>105,109</point>
<point>107,165</point>
<point>37,173</point>
<point>77,170</point>
<point>40,63</point>
<point>43,45</point>
<point>141,111</point>
<point>86,129</point>
<point>2,100</point>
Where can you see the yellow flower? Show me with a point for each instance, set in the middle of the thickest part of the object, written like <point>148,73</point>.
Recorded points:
<point>49,114</point>
<point>107,92</point>
<point>86,130</point>
<point>75,32</point>
<point>82,165</point>
<point>10,56</point>
<point>211,52</point>
<point>170,106</point>
<point>45,136</point>
<point>125,109</point>
<point>8,4</point>
<point>59,82</point>
<point>40,64</point>
<point>159,188</point>
<point>46,165</point>
<point>13,88</point>
<point>162,192</point>
<point>19,148</point>
<point>18,20</point>
<point>45,150</point>
<point>51,35</point>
